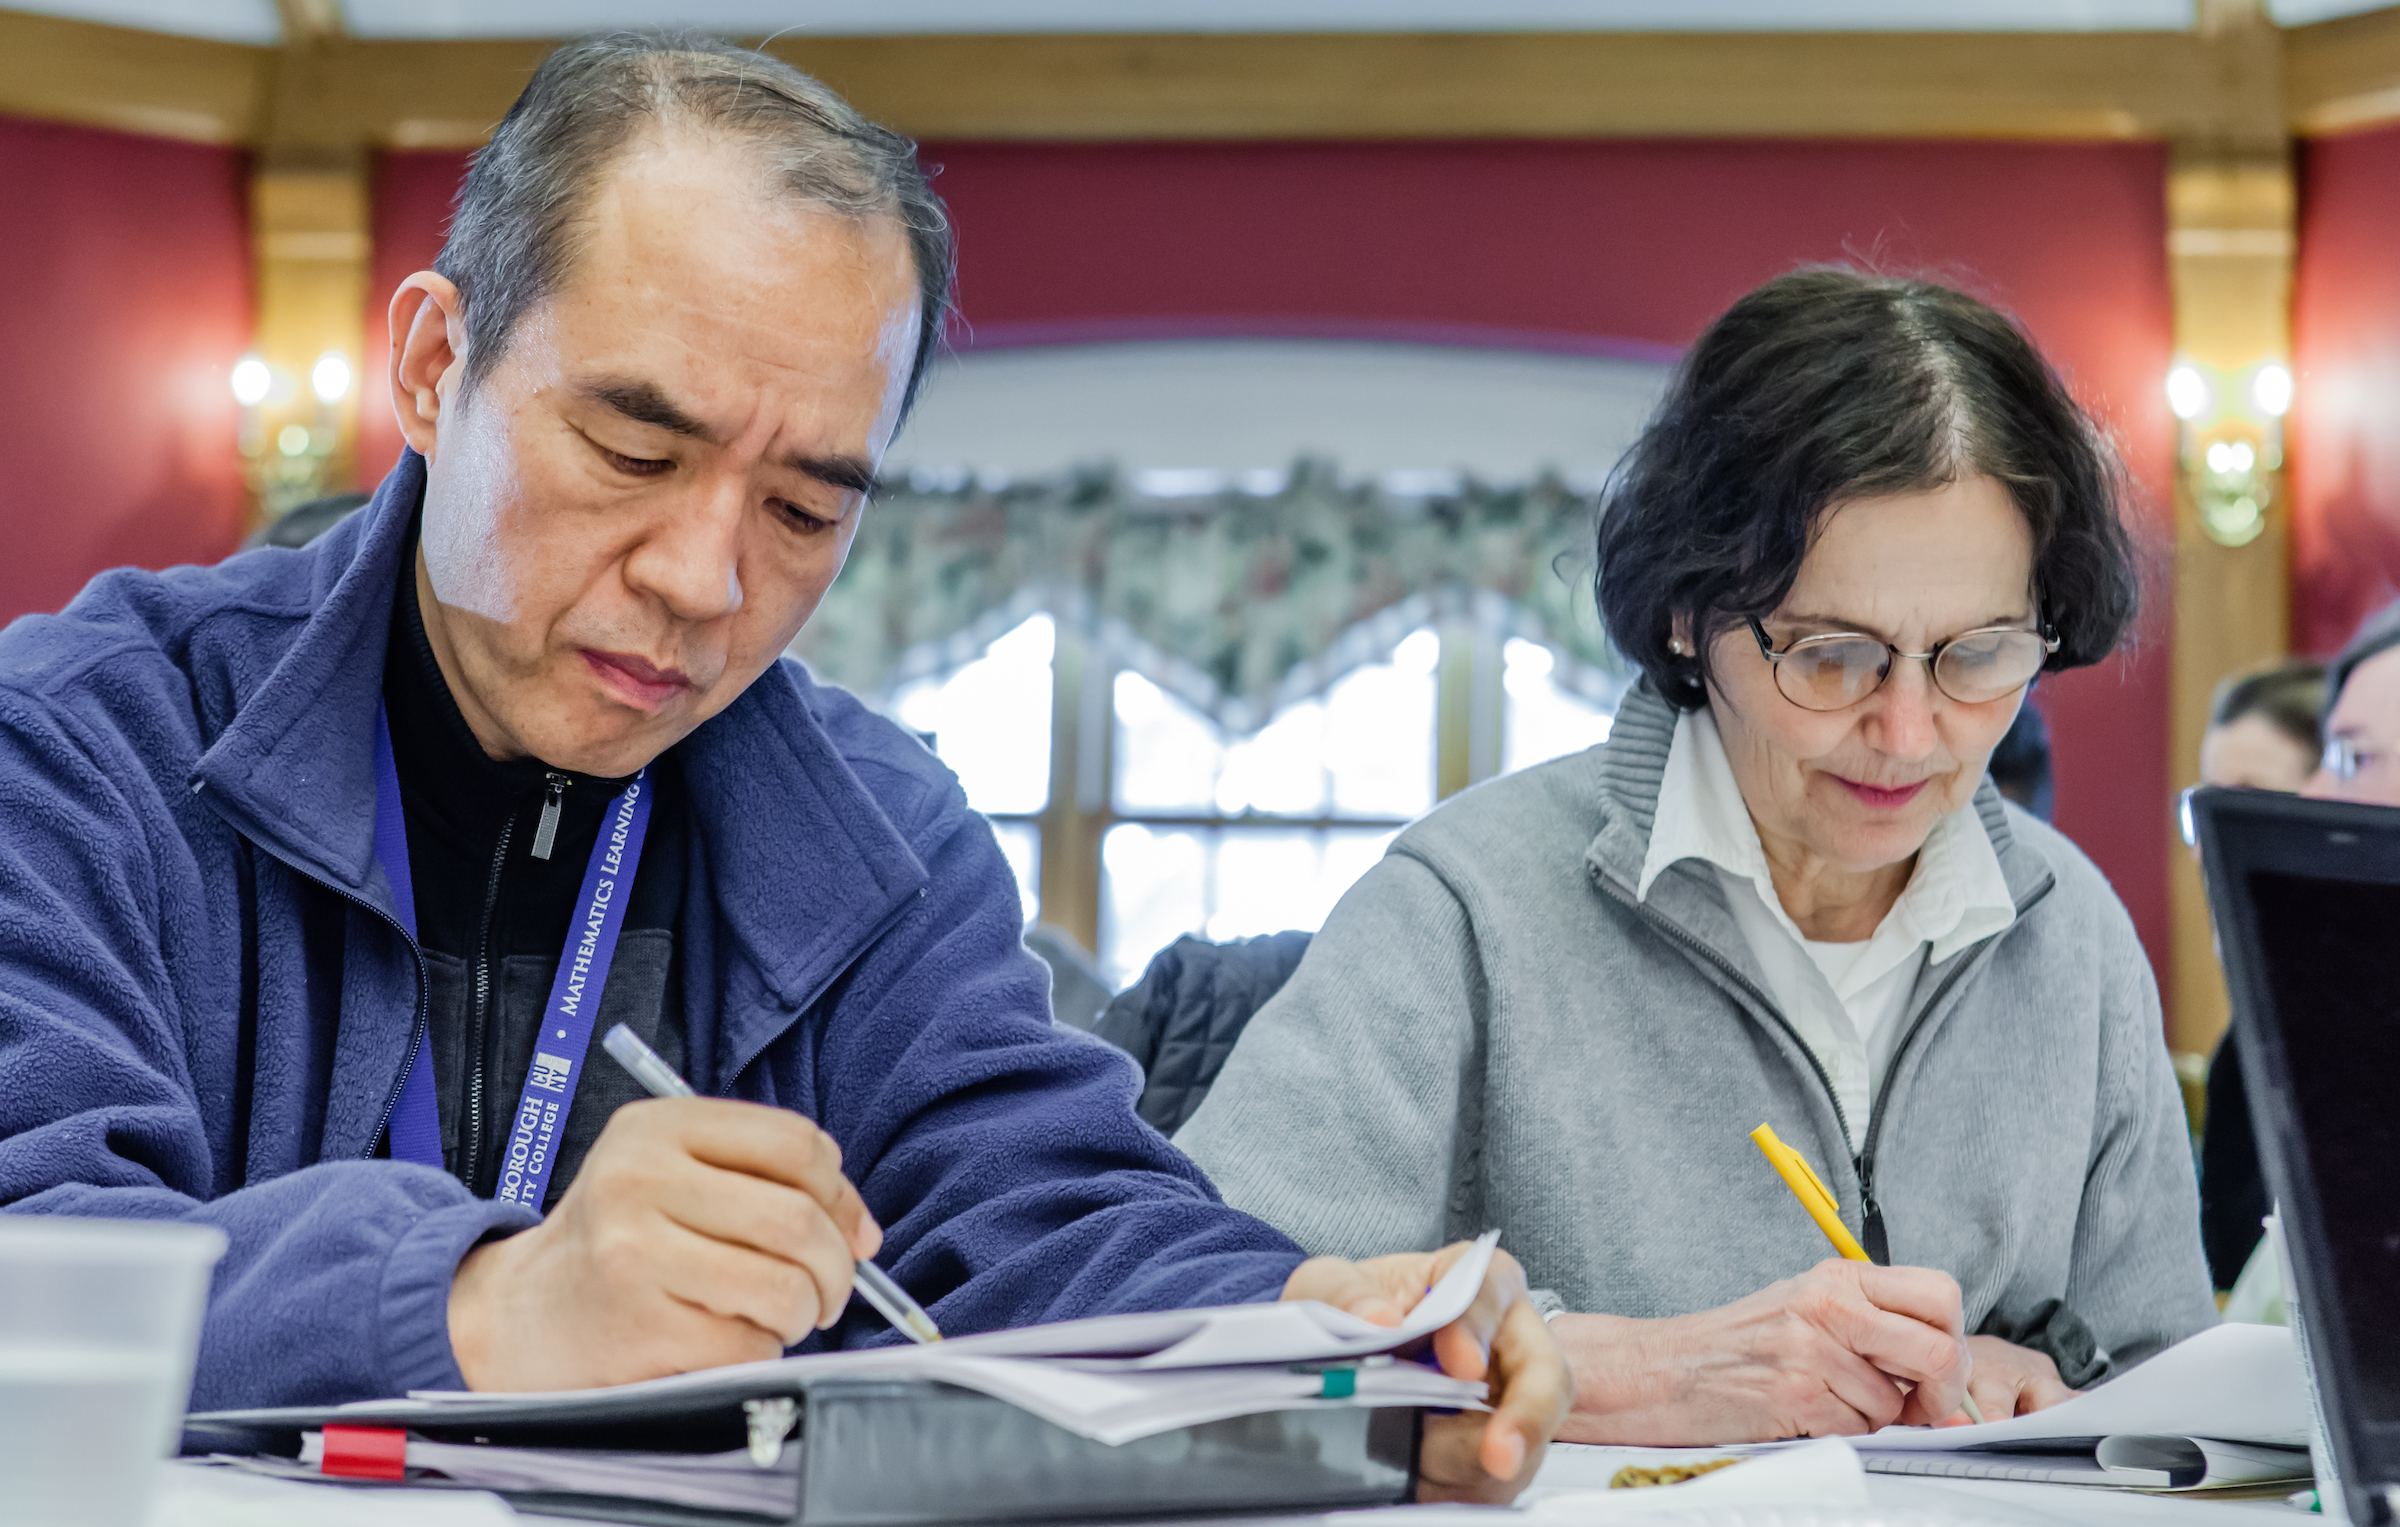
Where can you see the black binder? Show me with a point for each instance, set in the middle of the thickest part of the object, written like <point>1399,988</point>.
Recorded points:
<point>882,1452</point>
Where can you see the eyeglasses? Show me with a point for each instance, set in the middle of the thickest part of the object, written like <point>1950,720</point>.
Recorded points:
<point>1837,671</point>
<point>2345,760</point>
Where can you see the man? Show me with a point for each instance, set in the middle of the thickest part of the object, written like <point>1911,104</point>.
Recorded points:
<point>2361,763</point>
<point>2362,722</point>
<point>261,969</point>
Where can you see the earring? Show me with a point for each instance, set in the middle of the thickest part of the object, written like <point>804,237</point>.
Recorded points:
<point>1675,645</point>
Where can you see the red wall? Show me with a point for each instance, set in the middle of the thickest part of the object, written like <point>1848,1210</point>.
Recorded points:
<point>411,212</point>
<point>127,267</point>
<point>1639,242</point>
<point>2345,423</point>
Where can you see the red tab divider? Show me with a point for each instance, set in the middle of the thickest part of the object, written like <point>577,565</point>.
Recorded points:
<point>365,1452</point>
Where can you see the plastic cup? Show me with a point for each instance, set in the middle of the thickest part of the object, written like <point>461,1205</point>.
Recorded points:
<point>99,1323</point>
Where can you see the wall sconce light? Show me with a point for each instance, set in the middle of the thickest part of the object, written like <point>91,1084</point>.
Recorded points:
<point>2229,439</point>
<point>288,439</point>
<point>329,379</point>
<point>251,381</point>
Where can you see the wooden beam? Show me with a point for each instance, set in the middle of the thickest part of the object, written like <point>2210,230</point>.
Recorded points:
<point>2026,85</point>
<point>404,94</point>
<point>309,231</point>
<point>1353,85</point>
<point>2017,85</point>
<point>412,94</point>
<point>138,82</point>
<point>2343,75</point>
<point>2230,247</point>
<point>1078,816</point>
<point>2336,76</point>
<point>306,21</point>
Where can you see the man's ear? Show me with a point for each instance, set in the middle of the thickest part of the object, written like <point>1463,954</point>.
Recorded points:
<point>429,355</point>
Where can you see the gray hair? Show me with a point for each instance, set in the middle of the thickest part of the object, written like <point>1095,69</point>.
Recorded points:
<point>517,228</point>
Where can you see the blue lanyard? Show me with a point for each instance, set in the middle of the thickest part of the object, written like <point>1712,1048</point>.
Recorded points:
<point>558,1055</point>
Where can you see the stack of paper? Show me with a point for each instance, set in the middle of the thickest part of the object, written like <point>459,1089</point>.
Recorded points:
<point>2225,1407</point>
<point>1119,1377</point>
<point>707,1481</point>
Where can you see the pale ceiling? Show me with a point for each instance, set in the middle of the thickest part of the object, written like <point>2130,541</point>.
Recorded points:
<point>1237,406</point>
<point>256,21</point>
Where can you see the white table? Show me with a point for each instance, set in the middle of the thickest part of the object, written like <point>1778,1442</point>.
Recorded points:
<point>198,1497</point>
<point>1998,1501</point>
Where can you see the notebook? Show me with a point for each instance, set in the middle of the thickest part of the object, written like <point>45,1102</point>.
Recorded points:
<point>2227,1406</point>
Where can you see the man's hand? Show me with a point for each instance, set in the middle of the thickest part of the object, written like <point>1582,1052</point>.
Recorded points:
<point>2011,1380</point>
<point>698,1232</point>
<point>1843,1349</point>
<point>1500,1339</point>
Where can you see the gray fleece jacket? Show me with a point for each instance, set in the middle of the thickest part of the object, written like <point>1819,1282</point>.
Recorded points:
<point>1492,1031</point>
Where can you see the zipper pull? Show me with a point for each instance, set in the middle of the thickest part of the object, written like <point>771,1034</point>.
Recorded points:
<point>545,832</point>
<point>1871,1236</point>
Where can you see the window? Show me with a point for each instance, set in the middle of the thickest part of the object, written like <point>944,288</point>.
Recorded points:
<point>990,722</point>
<point>1543,720</point>
<point>1163,825</point>
<point>1230,837</point>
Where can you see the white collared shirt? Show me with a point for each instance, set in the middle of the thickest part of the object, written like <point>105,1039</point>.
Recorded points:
<point>1844,1000</point>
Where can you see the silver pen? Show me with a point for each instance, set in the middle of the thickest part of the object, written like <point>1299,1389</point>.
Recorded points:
<point>906,1315</point>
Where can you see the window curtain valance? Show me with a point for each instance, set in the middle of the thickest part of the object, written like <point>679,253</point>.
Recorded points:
<point>1237,601</point>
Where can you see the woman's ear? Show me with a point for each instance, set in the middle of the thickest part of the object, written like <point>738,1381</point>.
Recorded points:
<point>429,348</point>
<point>1679,636</point>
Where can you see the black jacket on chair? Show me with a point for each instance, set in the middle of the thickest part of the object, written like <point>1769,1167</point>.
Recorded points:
<point>1181,1018</point>
<point>2233,1186</point>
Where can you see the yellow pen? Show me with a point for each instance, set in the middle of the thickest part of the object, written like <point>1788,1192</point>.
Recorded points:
<point>1793,1168</point>
<point>1797,1175</point>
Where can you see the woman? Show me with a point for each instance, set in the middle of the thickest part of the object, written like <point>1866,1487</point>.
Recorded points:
<point>2263,734</point>
<point>1865,516</point>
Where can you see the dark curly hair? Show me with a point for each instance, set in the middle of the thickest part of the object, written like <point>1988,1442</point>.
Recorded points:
<point>1826,386</point>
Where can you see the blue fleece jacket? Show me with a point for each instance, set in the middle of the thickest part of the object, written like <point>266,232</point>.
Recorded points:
<point>205,1002</point>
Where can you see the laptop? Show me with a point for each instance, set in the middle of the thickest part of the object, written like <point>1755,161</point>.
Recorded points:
<point>2306,896</point>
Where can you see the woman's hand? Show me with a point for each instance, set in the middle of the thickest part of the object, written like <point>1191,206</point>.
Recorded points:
<point>2011,1380</point>
<point>1500,1340</point>
<point>1845,1348</point>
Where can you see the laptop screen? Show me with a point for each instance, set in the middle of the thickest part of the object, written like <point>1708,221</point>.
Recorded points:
<point>2306,896</point>
<point>2331,949</point>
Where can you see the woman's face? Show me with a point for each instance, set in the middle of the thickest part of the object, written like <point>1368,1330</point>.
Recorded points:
<point>1858,789</point>
<point>2254,753</point>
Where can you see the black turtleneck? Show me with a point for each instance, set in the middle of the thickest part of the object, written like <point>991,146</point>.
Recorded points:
<point>492,919</point>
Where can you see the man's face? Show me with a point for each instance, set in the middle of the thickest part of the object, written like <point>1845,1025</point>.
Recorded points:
<point>2365,720</point>
<point>635,511</point>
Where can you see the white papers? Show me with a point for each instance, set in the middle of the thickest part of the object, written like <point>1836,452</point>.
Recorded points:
<point>2226,1405</point>
<point>1120,1405</point>
<point>1286,1331</point>
<point>2123,1462</point>
<point>2237,1383</point>
<point>1119,1377</point>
